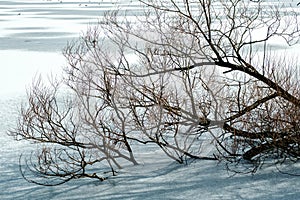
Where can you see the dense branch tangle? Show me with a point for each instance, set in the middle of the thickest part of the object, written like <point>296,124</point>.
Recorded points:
<point>259,91</point>
<point>191,77</point>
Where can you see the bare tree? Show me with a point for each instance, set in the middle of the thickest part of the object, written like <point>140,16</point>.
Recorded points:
<point>198,79</point>
<point>73,135</point>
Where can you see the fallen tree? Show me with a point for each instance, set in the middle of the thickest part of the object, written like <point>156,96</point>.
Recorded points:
<point>197,79</point>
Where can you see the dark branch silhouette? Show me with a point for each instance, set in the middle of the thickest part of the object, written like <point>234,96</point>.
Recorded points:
<point>195,79</point>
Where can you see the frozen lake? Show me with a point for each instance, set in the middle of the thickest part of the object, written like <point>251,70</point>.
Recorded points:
<point>32,36</point>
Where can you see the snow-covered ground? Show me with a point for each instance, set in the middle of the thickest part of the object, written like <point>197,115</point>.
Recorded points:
<point>32,36</point>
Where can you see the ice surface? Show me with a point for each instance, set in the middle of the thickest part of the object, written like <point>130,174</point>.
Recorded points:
<point>32,34</point>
